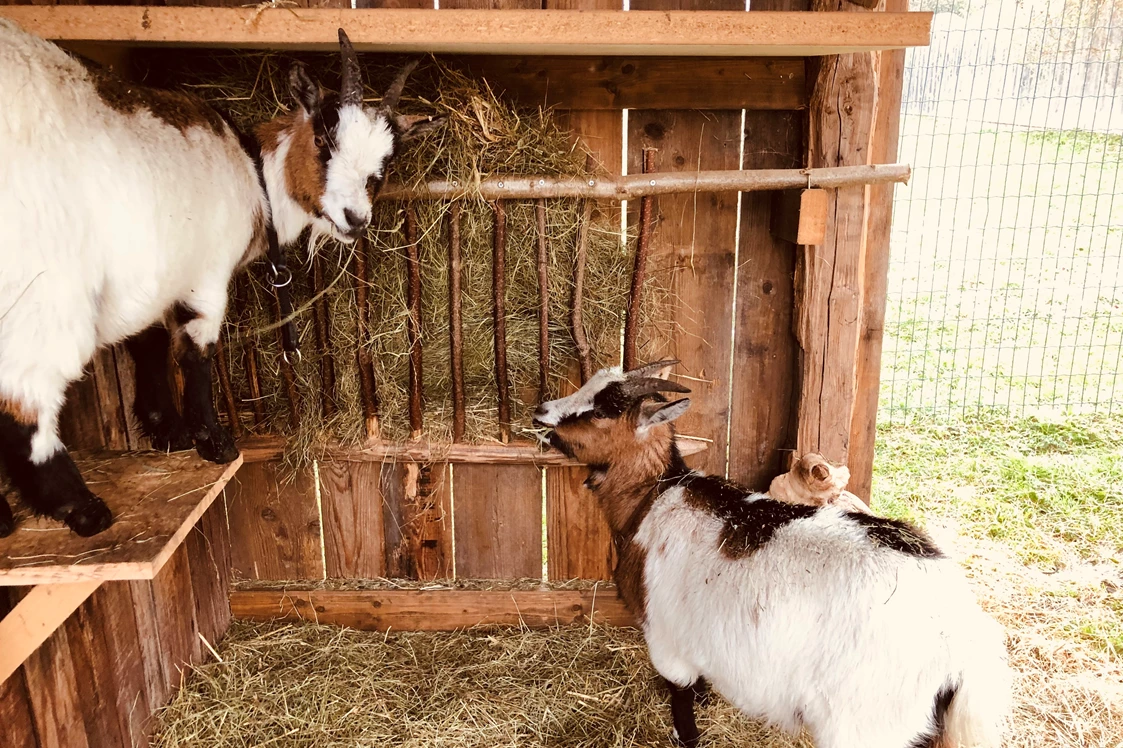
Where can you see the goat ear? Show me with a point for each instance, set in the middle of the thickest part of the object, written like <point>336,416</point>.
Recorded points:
<point>413,126</point>
<point>664,413</point>
<point>304,89</point>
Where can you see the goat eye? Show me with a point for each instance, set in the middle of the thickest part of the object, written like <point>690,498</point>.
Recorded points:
<point>599,413</point>
<point>319,141</point>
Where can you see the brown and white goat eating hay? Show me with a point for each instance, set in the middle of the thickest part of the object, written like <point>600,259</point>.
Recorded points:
<point>852,625</point>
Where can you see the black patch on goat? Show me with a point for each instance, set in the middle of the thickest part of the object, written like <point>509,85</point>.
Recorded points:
<point>897,535</point>
<point>682,713</point>
<point>212,440</point>
<point>748,525</point>
<point>612,402</point>
<point>154,406</point>
<point>7,520</point>
<point>939,719</point>
<point>175,108</point>
<point>55,488</point>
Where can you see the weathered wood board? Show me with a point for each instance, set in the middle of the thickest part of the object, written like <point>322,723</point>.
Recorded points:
<point>155,498</point>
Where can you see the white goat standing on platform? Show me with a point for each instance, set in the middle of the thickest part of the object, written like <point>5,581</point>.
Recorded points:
<point>124,212</point>
<point>852,625</point>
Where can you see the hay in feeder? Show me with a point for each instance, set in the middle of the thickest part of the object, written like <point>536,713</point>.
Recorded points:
<point>483,136</point>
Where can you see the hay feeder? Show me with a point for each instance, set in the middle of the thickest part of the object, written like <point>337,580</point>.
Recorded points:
<point>611,186</point>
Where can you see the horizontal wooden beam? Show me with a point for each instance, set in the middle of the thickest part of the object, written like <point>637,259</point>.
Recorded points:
<point>613,83</point>
<point>517,187</point>
<point>517,32</point>
<point>265,448</point>
<point>35,618</point>
<point>432,610</point>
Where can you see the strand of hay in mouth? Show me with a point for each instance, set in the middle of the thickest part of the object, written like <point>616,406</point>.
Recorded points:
<point>483,136</point>
<point>571,687</point>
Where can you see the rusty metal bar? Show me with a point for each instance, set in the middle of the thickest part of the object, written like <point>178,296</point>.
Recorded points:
<point>577,319</point>
<point>455,322</point>
<point>224,385</point>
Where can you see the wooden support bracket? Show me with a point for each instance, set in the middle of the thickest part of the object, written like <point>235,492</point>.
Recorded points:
<point>35,618</point>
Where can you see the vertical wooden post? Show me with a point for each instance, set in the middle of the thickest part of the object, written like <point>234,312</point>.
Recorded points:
<point>499,308</point>
<point>543,304</point>
<point>368,392</point>
<point>577,321</point>
<point>256,399</point>
<point>322,328</point>
<point>455,322</point>
<point>413,324</point>
<point>639,271</point>
<point>886,130</point>
<point>829,276</point>
<point>224,386</point>
<point>288,375</point>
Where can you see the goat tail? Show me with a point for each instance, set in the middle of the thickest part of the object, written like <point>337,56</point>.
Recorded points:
<point>976,716</point>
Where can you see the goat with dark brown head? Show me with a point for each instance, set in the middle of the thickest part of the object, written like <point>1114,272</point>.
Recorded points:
<point>855,626</point>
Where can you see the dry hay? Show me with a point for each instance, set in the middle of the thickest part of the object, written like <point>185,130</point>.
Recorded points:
<point>484,135</point>
<point>578,686</point>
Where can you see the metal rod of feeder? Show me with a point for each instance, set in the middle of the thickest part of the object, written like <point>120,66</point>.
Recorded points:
<point>639,271</point>
<point>368,392</point>
<point>640,185</point>
<point>455,322</point>
<point>577,319</point>
<point>499,307</point>
<point>413,324</point>
<point>287,375</point>
<point>543,303</point>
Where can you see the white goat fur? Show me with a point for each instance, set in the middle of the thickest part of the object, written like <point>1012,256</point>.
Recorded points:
<point>108,219</point>
<point>819,627</point>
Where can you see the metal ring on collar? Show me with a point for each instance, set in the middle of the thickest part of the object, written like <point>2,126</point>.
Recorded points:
<point>298,355</point>
<point>278,273</point>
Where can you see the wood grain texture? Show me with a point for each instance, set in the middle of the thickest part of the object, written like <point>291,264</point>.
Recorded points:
<point>616,83</point>
<point>830,275</point>
<point>156,499</point>
<point>208,556</point>
<point>764,356</point>
<point>432,610</point>
<point>481,31</point>
<point>80,419</point>
<point>498,521</point>
<point>115,634</point>
<point>274,523</point>
<point>52,686</point>
<point>175,619</point>
<point>37,615</point>
<point>15,713</point>
<point>863,427</point>
<point>96,685</point>
<point>579,541</point>
<point>114,424</point>
<point>417,520</point>
<point>692,249</point>
<point>150,651</point>
<point>351,499</point>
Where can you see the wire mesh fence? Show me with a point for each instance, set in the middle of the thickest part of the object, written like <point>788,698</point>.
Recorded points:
<point>1005,288</point>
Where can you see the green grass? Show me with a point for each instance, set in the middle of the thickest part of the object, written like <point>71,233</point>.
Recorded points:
<point>1049,490</point>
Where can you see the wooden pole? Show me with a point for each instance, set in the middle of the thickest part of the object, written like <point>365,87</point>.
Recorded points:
<point>543,304</point>
<point>520,187</point>
<point>499,308</point>
<point>322,327</point>
<point>257,401</point>
<point>368,392</point>
<point>639,271</point>
<point>413,325</point>
<point>455,322</point>
<point>224,385</point>
<point>577,319</point>
<point>288,376</point>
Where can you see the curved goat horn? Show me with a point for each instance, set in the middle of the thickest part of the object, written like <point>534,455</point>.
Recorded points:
<point>635,388</point>
<point>394,92</point>
<point>352,93</point>
<point>648,370</point>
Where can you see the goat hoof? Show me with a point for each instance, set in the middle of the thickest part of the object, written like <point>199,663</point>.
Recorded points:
<point>173,441</point>
<point>90,517</point>
<point>690,741</point>
<point>218,446</point>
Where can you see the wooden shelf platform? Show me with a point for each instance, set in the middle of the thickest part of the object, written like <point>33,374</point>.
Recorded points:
<point>507,32</point>
<point>156,499</point>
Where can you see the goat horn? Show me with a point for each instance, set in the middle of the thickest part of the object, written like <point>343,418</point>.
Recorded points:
<point>394,92</point>
<point>635,388</point>
<point>352,93</point>
<point>648,370</point>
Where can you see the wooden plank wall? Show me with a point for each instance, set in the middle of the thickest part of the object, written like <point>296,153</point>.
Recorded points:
<point>101,676</point>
